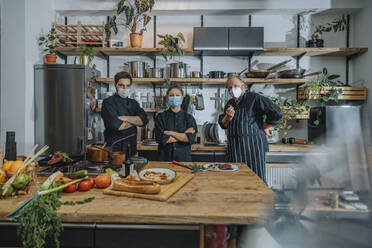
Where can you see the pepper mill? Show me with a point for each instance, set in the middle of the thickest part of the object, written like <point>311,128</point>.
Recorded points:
<point>10,146</point>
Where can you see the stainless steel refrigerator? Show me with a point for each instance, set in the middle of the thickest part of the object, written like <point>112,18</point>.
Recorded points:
<point>62,106</point>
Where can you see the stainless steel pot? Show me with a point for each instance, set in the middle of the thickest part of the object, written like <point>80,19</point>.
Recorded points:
<point>137,69</point>
<point>178,70</point>
<point>196,74</point>
<point>156,73</point>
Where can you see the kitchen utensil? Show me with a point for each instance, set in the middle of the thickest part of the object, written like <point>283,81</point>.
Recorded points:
<point>265,73</point>
<point>303,142</point>
<point>166,190</point>
<point>137,69</point>
<point>178,70</point>
<point>216,74</point>
<point>199,101</point>
<point>292,140</point>
<point>156,73</point>
<point>182,165</point>
<point>196,74</point>
<point>97,153</point>
<point>285,140</point>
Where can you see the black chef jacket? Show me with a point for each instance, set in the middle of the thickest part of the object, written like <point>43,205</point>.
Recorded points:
<point>247,141</point>
<point>112,108</point>
<point>178,122</point>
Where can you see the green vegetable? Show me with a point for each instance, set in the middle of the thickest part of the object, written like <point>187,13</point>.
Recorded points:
<point>38,217</point>
<point>79,174</point>
<point>72,203</point>
<point>195,166</point>
<point>111,171</point>
<point>9,192</point>
<point>21,181</point>
<point>39,220</point>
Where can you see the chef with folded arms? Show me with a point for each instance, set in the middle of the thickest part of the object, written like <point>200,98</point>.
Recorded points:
<point>122,114</point>
<point>175,129</point>
<point>248,118</point>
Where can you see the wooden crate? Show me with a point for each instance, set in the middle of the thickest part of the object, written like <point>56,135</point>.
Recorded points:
<point>348,93</point>
<point>305,114</point>
<point>75,34</point>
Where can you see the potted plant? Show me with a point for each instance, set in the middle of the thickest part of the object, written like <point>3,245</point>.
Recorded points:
<point>172,45</point>
<point>87,57</point>
<point>49,42</point>
<point>131,14</point>
<point>323,88</point>
<point>337,25</point>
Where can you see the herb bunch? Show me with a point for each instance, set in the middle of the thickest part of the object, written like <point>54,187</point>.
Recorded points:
<point>40,220</point>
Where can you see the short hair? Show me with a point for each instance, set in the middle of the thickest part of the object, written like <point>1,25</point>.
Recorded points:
<point>175,87</point>
<point>122,74</point>
<point>233,77</point>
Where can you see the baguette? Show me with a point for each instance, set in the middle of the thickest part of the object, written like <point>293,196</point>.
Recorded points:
<point>143,187</point>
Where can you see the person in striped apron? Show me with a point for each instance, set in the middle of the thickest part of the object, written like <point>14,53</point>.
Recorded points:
<point>248,117</point>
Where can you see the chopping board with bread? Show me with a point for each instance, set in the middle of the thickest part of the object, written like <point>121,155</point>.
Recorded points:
<point>154,184</point>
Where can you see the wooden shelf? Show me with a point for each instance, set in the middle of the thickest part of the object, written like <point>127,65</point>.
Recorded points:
<point>128,51</point>
<point>210,80</point>
<point>150,110</point>
<point>305,114</point>
<point>294,52</point>
<point>73,51</point>
<point>324,51</point>
<point>348,93</point>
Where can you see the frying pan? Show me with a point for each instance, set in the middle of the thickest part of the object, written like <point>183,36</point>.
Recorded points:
<point>265,73</point>
<point>295,73</point>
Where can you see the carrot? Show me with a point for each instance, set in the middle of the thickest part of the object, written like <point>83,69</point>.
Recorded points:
<point>58,177</point>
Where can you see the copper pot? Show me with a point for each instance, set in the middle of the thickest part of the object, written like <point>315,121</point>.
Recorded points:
<point>117,158</point>
<point>97,153</point>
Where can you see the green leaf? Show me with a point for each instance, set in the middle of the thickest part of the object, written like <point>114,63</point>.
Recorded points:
<point>181,37</point>
<point>325,71</point>
<point>316,122</point>
<point>333,76</point>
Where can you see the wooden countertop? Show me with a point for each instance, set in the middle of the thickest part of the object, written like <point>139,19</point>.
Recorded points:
<point>209,198</point>
<point>272,148</point>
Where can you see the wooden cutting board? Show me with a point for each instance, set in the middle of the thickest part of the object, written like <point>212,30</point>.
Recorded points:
<point>166,190</point>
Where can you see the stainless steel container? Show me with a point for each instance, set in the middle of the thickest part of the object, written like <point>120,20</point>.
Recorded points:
<point>137,69</point>
<point>156,73</point>
<point>196,74</point>
<point>178,70</point>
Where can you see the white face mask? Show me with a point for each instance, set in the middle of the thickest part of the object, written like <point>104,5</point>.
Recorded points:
<point>236,92</point>
<point>123,93</point>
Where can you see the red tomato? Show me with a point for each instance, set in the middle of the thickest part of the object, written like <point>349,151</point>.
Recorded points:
<point>70,189</point>
<point>92,181</point>
<point>85,185</point>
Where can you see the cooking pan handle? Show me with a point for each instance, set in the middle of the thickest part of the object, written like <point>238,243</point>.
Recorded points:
<point>121,140</point>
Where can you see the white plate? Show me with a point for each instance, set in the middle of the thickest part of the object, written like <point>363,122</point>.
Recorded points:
<point>171,175</point>
<point>215,168</point>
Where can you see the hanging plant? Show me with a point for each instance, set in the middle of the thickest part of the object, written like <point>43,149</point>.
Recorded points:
<point>172,45</point>
<point>337,25</point>
<point>291,108</point>
<point>317,87</point>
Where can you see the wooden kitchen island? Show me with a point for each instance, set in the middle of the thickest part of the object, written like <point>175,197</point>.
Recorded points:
<point>209,198</point>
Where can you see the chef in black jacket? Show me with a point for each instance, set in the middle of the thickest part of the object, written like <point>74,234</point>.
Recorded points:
<point>122,114</point>
<point>175,129</point>
<point>248,117</point>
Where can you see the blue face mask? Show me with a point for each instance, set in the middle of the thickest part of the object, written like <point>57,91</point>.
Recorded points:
<point>175,101</point>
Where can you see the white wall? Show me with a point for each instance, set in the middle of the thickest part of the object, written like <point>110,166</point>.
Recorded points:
<point>22,21</point>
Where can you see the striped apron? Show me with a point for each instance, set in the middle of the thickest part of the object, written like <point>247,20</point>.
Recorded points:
<point>247,142</point>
